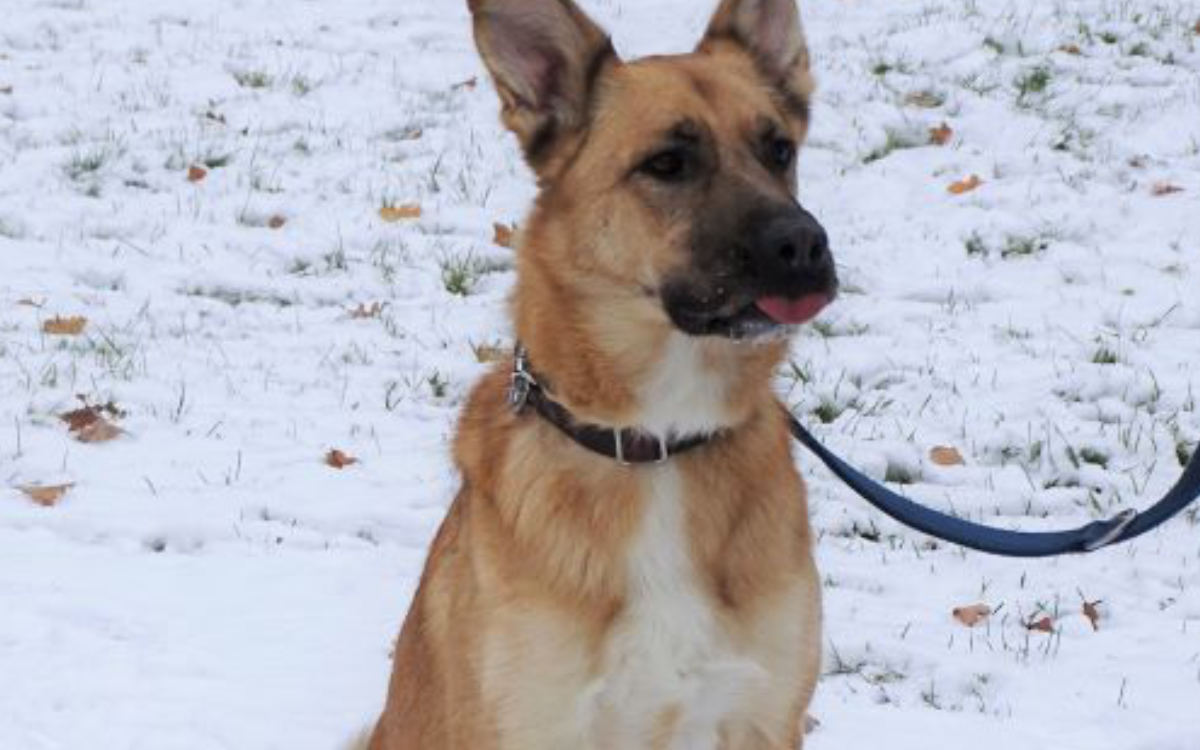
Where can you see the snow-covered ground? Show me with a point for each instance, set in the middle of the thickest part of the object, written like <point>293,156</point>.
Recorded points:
<point>210,582</point>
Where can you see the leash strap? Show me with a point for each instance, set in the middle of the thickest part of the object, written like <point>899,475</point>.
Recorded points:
<point>1096,535</point>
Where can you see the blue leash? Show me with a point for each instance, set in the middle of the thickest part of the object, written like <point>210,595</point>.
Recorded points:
<point>1096,535</point>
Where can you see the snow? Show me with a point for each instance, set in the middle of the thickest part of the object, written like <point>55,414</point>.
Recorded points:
<point>209,582</point>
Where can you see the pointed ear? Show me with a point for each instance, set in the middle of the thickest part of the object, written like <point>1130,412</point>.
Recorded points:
<point>544,56</point>
<point>771,32</point>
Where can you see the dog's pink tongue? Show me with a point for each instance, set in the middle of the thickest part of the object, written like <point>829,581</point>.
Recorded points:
<point>792,311</point>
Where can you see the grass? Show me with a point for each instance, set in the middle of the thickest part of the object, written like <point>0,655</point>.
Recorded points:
<point>828,411</point>
<point>82,164</point>
<point>253,79</point>
<point>1183,453</point>
<point>1032,82</point>
<point>462,272</point>
<point>1013,246</point>
<point>1105,356</point>
<point>1094,456</point>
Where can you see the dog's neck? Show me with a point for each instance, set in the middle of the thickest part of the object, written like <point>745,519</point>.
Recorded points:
<point>614,360</point>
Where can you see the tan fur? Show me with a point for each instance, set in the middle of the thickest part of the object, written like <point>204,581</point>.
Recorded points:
<point>528,584</point>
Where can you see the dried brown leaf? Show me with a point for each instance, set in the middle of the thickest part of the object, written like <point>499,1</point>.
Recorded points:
<point>338,459</point>
<point>965,185</point>
<point>46,496</point>
<point>99,431</point>
<point>941,135</point>
<point>1160,189</point>
<point>468,84</point>
<point>1071,49</point>
<point>924,99</point>
<point>945,455</point>
<point>971,615</point>
<point>196,173</point>
<point>58,326</point>
<point>80,418</point>
<point>1091,610</point>
<point>391,213</point>
<point>1042,625</point>
<point>504,235</point>
<point>276,221</point>
<point>489,353</point>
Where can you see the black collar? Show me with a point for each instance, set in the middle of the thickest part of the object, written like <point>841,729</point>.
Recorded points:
<point>627,446</point>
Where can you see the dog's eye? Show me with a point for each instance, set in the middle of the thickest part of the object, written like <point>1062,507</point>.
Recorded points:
<point>667,166</point>
<point>780,153</point>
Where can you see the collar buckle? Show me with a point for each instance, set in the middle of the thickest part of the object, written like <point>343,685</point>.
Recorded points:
<point>522,381</point>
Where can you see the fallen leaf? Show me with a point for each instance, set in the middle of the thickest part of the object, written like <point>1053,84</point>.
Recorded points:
<point>276,221</point>
<point>80,418</point>
<point>1071,49</point>
<point>196,173</point>
<point>339,460</point>
<point>468,84</point>
<point>1195,30</point>
<point>945,455</point>
<point>971,615</point>
<point>410,134</point>
<point>98,431</point>
<point>1043,625</point>
<point>362,312</point>
<point>30,302</point>
<point>46,496</point>
<point>58,326</point>
<point>925,99</point>
<point>1091,610</point>
<point>965,185</point>
<point>403,211</point>
<point>504,234</point>
<point>489,353</point>
<point>1164,188</point>
<point>941,135</point>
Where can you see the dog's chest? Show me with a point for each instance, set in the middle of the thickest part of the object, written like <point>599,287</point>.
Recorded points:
<point>670,670</point>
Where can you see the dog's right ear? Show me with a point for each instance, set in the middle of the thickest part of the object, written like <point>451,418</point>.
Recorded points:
<point>545,57</point>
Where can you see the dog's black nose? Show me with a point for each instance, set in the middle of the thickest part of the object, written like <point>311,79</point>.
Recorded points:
<point>791,246</point>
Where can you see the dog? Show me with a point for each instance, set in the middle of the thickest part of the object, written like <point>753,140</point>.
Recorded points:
<point>628,563</point>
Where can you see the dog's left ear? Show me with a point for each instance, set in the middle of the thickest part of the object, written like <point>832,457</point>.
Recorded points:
<point>545,57</point>
<point>771,32</point>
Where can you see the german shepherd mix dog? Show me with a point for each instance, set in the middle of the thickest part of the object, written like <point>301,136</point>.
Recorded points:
<point>629,562</point>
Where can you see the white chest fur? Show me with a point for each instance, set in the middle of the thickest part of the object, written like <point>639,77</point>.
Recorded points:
<point>684,395</point>
<point>669,668</point>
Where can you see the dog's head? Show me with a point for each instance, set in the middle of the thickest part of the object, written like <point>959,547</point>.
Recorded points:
<point>666,181</point>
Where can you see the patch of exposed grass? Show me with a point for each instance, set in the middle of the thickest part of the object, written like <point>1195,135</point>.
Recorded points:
<point>1094,456</point>
<point>899,474</point>
<point>828,411</point>
<point>461,273</point>
<point>1033,81</point>
<point>1105,356</point>
<point>253,79</point>
<point>1013,246</point>
<point>83,164</point>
